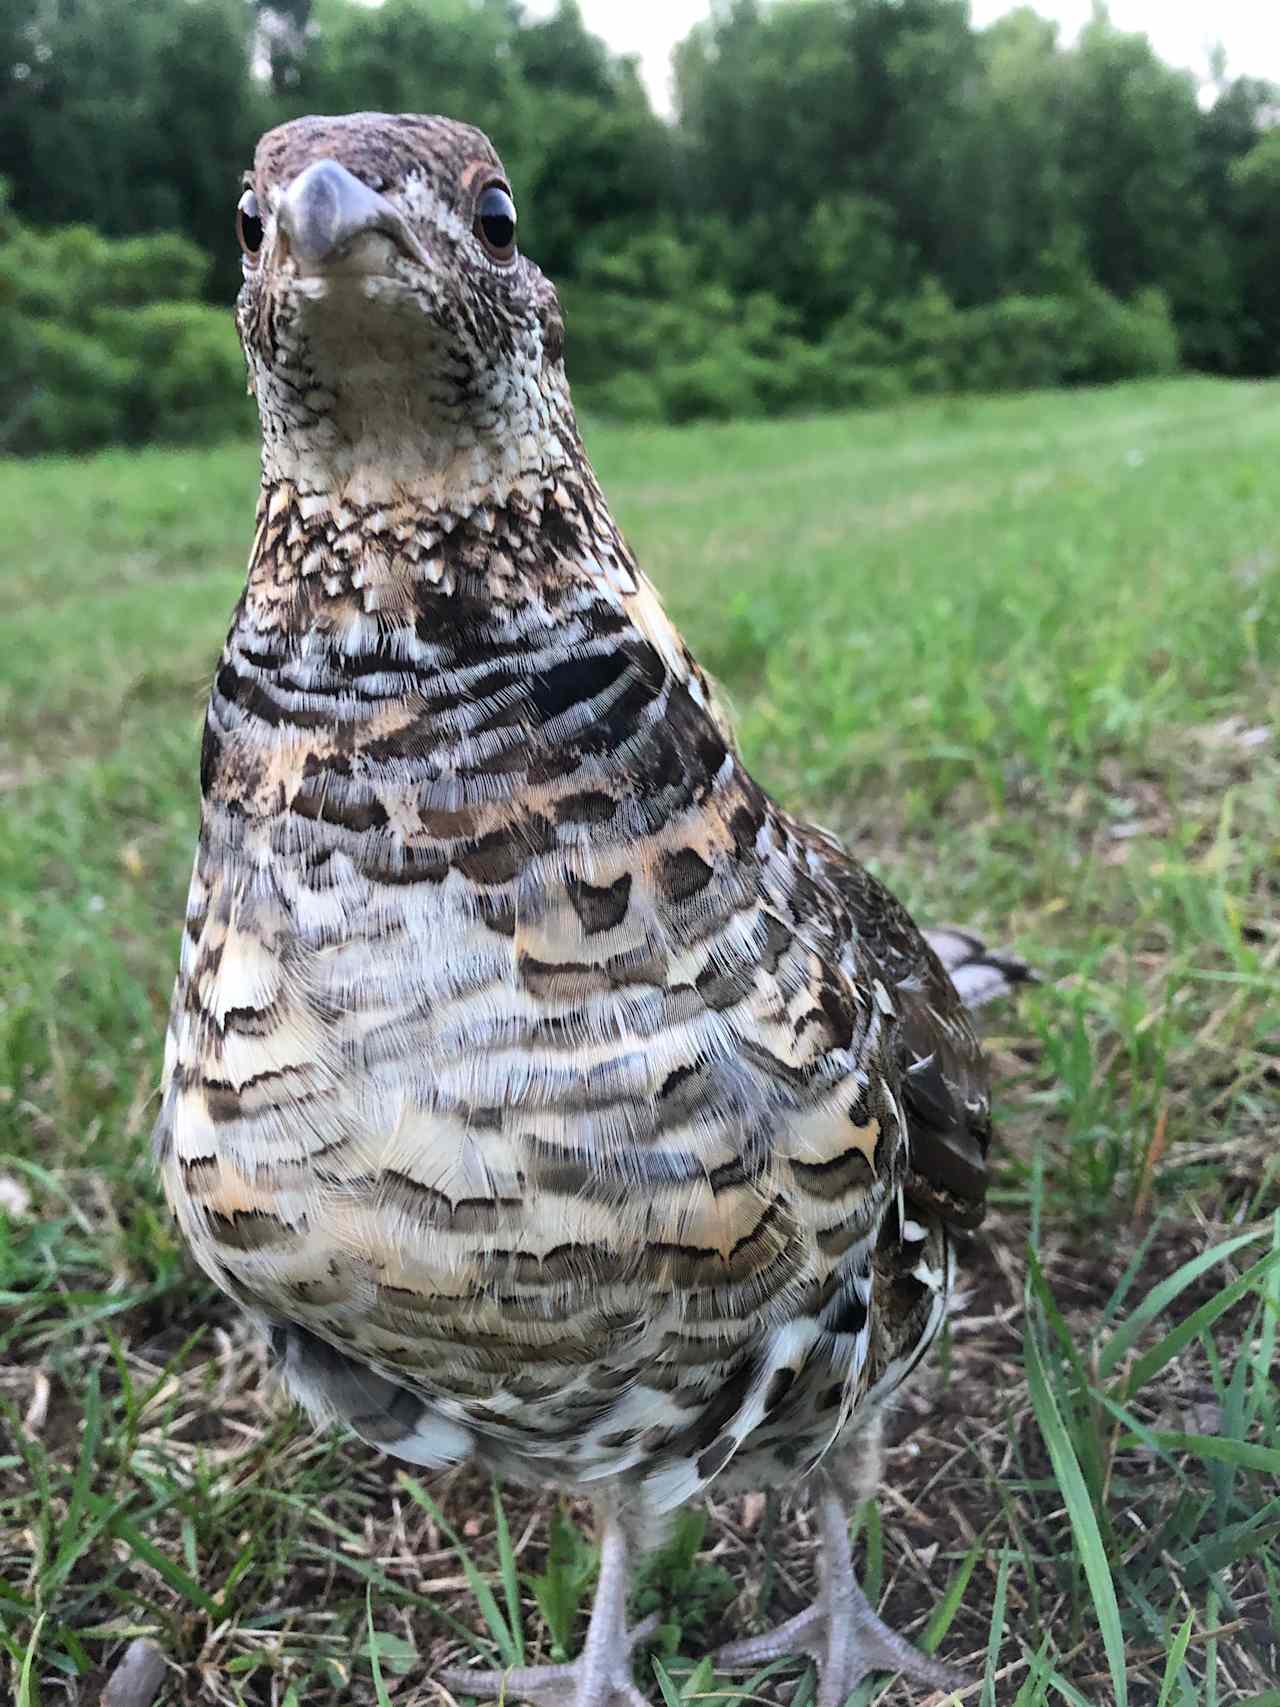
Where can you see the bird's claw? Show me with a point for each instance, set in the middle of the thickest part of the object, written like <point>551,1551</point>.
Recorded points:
<point>840,1632</point>
<point>597,1678</point>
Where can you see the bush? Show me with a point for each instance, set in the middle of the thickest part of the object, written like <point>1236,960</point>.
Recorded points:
<point>927,333</point>
<point>648,326</point>
<point>186,373</point>
<point>1020,343</point>
<point>60,389</point>
<point>105,341</point>
<point>71,271</point>
<point>653,335</point>
<point>1125,340</point>
<point>713,387</point>
<point>855,365</point>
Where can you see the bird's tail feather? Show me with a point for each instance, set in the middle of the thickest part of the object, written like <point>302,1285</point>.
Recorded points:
<point>979,974</point>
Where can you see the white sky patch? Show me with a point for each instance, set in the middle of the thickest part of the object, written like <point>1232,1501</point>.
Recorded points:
<point>1182,31</point>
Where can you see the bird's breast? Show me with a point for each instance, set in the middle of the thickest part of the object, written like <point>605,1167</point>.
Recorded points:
<point>527,1115</point>
<point>512,1045</point>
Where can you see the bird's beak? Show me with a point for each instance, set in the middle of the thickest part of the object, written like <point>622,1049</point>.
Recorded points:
<point>326,208</point>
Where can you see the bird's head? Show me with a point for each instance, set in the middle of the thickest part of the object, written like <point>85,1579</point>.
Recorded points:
<point>398,342</point>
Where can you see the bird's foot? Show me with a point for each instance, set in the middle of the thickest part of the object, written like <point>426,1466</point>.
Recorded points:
<point>847,1642</point>
<point>840,1632</point>
<point>599,1677</point>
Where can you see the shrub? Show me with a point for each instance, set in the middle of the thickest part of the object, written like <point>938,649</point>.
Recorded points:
<point>855,365</point>
<point>646,322</point>
<point>1125,340</point>
<point>628,396</point>
<point>713,387</point>
<point>70,272</point>
<point>105,341</point>
<point>1019,343</point>
<point>927,333</point>
<point>186,373</point>
<point>60,389</point>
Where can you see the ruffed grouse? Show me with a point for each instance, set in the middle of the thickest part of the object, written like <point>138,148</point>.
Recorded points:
<point>549,1094</point>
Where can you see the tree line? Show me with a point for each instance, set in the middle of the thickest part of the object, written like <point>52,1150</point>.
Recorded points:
<point>854,198</point>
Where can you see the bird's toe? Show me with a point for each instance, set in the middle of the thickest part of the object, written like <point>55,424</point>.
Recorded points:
<point>600,1677</point>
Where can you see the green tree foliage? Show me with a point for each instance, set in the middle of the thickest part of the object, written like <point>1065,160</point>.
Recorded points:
<point>999,162</point>
<point>1021,200</point>
<point>1255,209</point>
<point>132,116</point>
<point>857,197</point>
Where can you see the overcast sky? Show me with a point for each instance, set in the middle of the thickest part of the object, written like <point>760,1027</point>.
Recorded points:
<point>1182,30</point>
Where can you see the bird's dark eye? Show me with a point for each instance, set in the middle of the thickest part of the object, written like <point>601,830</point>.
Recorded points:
<point>496,222</point>
<point>249,223</point>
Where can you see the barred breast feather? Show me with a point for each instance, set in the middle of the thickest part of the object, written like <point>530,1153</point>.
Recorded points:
<point>549,1092</point>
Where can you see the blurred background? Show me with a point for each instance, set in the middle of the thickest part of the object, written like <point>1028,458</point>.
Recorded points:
<point>843,202</point>
<point>927,359</point>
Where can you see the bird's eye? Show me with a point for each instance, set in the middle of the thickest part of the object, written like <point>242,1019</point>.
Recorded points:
<point>495,224</point>
<point>249,223</point>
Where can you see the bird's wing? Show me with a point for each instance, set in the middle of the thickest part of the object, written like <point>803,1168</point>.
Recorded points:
<point>980,974</point>
<point>942,1071</point>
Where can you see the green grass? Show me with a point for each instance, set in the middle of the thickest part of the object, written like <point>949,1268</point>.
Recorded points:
<point>1023,655</point>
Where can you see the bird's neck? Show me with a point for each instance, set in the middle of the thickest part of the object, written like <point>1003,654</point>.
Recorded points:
<point>386,552</point>
<point>427,476</point>
<point>385,443</point>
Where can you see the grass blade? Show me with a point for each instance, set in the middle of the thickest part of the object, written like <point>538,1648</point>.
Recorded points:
<point>1161,1296</point>
<point>174,1575</point>
<point>375,1662</point>
<point>873,1568</point>
<point>28,1689</point>
<point>995,1633</point>
<point>667,1684</point>
<point>1264,1358</point>
<point>1177,1654</point>
<point>1240,1454</point>
<point>503,1639</point>
<point>946,1609</point>
<point>1045,1674</point>
<point>1084,1522</point>
<point>510,1575</point>
<point>371,1573</point>
<point>68,1547</point>
<point>1087,1438</point>
<point>1153,1361</point>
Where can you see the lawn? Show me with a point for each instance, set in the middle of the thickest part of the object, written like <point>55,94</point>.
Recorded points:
<point>1023,655</point>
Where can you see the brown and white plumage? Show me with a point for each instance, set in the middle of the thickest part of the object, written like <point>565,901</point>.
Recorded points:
<point>551,1094</point>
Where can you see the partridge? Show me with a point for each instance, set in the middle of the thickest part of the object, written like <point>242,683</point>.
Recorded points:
<point>550,1095</point>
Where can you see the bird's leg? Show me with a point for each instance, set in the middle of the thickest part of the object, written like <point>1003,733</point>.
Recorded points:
<point>840,1631</point>
<point>601,1675</point>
